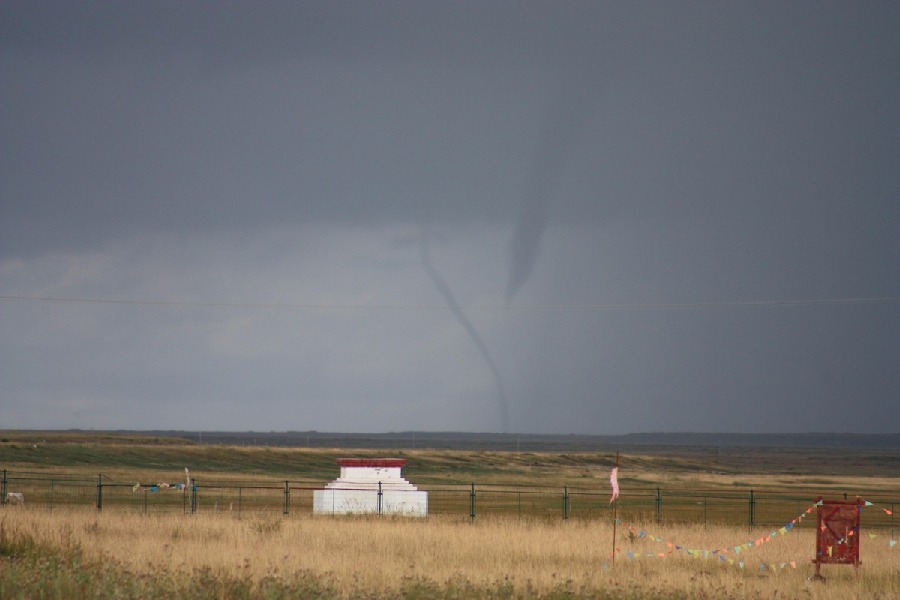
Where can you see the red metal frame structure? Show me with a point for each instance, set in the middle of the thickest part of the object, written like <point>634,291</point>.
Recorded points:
<point>837,532</point>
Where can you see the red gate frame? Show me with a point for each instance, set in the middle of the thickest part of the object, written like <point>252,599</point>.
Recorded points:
<point>837,532</point>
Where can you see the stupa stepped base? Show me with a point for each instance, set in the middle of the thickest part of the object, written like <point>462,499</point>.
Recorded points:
<point>356,491</point>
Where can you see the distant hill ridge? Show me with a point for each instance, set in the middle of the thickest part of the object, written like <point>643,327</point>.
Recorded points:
<point>450,440</point>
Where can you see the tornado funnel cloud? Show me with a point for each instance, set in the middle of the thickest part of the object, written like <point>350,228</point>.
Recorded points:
<point>447,294</point>
<point>525,243</point>
<point>574,102</point>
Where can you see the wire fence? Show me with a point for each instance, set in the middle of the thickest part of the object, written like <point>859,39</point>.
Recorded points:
<point>750,508</point>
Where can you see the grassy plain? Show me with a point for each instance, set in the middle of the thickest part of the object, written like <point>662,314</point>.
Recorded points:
<point>142,457</point>
<point>76,552</point>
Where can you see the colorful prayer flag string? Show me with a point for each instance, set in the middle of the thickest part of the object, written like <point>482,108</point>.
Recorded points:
<point>722,552</point>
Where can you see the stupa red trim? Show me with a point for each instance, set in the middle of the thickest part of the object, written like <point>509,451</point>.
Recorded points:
<point>372,462</point>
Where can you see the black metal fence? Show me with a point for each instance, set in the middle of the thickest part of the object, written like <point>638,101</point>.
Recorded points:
<point>750,507</point>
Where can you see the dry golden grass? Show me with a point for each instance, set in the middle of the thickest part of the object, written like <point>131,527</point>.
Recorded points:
<point>379,554</point>
<point>363,557</point>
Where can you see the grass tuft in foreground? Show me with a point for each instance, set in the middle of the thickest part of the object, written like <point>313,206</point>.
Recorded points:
<point>31,569</point>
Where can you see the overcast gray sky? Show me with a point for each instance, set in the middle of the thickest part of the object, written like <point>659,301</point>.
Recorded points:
<point>548,217</point>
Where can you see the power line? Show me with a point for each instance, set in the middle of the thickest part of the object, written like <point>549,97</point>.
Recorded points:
<point>311,306</point>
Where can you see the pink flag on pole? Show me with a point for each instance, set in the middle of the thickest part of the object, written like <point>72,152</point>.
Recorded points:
<point>614,481</point>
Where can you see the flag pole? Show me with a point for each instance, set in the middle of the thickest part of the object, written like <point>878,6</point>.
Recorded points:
<point>615,503</point>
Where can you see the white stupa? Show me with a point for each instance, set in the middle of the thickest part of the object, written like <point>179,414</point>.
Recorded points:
<point>371,485</point>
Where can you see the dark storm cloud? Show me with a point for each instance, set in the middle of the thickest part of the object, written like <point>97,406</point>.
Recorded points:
<point>123,116</point>
<point>343,112</point>
<point>569,154</point>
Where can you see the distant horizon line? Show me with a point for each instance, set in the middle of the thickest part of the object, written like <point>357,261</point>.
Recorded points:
<point>448,432</point>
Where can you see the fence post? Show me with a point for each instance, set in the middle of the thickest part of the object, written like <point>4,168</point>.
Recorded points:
<point>752,510</point>
<point>658,506</point>
<point>472,503</point>
<point>287,497</point>
<point>99,492</point>
<point>379,497</point>
<point>193,496</point>
<point>4,498</point>
<point>565,502</point>
<point>51,495</point>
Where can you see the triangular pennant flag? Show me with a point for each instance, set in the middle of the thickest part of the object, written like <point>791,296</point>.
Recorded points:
<point>868,503</point>
<point>892,543</point>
